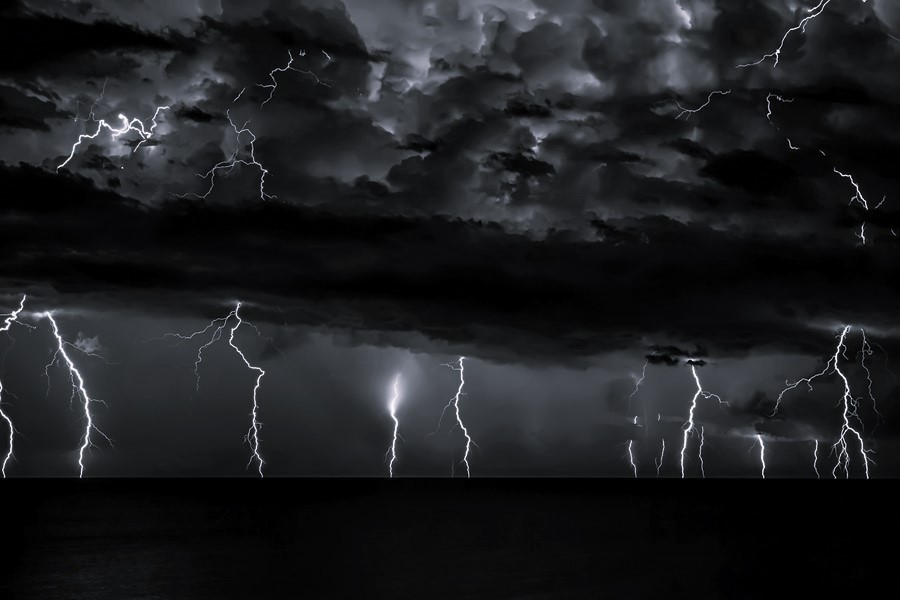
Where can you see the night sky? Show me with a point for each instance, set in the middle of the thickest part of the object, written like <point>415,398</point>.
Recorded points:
<point>520,183</point>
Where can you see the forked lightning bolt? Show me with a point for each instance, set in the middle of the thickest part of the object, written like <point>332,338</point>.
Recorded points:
<point>689,426</point>
<point>217,326</point>
<point>691,111</point>
<point>801,27</point>
<point>228,165</point>
<point>454,404</point>
<point>849,413</point>
<point>128,124</point>
<point>288,67</point>
<point>8,320</point>
<point>392,408</point>
<point>78,390</point>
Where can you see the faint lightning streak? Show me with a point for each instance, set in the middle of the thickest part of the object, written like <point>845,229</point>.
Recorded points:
<point>690,111</point>
<point>9,319</point>
<point>78,388</point>
<point>252,436</point>
<point>392,408</point>
<point>662,455</point>
<point>288,67</point>
<point>801,26</point>
<point>637,383</point>
<point>133,124</point>
<point>232,161</point>
<point>689,426</point>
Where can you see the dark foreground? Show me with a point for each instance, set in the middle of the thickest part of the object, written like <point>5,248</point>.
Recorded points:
<point>432,539</point>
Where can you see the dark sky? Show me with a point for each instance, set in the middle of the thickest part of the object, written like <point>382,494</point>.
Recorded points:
<point>511,181</point>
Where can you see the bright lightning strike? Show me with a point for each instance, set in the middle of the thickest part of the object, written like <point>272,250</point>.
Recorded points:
<point>78,390</point>
<point>392,408</point>
<point>690,111</point>
<point>816,458</point>
<point>454,403</point>
<point>217,326</point>
<point>128,124</point>
<point>689,426</point>
<point>769,111</point>
<point>849,413</point>
<point>8,320</point>
<point>631,453</point>
<point>801,26</point>
<point>228,165</point>
<point>762,455</point>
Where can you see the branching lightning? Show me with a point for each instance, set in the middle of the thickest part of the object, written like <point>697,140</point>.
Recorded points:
<point>228,165</point>
<point>392,408</point>
<point>8,320</point>
<point>689,426</point>
<point>128,124</point>
<point>454,403</point>
<point>690,111</point>
<point>849,414</point>
<point>217,326</point>
<point>78,390</point>
<point>288,67</point>
<point>801,27</point>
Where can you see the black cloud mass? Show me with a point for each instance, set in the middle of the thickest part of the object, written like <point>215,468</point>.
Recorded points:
<point>550,188</point>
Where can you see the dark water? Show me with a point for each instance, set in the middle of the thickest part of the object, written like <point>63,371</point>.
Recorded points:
<point>494,539</point>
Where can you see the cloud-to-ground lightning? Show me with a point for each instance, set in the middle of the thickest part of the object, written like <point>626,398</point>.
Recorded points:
<point>691,111</point>
<point>392,409</point>
<point>801,27</point>
<point>228,165</point>
<point>454,404</point>
<point>816,458</point>
<point>762,454</point>
<point>849,413</point>
<point>288,67</point>
<point>78,390</point>
<point>662,455</point>
<point>217,326</point>
<point>8,320</point>
<point>128,124</point>
<point>689,426</point>
<point>631,453</point>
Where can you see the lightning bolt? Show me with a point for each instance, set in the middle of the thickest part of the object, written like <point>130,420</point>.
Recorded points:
<point>689,426</point>
<point>690,111</point>
<point>218,327</point>
<point>762,455</point>
<point>392,407</point>
<point>454,404</point>
<point>801,26</point>
<point>769,111</point>
<point>816,458</point>
<point>228,165</point>
<point>849,409</point>
<point>631,453</point>
<point>662,455</point>
<point>700,453</point>
<point>128,124</point>
<point>8,320</point>
<point>78,390</point>
<point>288,67</point>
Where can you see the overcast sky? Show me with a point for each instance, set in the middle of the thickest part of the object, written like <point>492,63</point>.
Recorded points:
<point>528,184</point>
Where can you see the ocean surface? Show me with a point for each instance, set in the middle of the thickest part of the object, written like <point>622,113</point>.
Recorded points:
<point>522,539</point>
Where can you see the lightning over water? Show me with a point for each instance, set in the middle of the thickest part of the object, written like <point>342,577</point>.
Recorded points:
<point>8,320</point>
<point>454,405</point>
<point>392,408</point>
<point>78,391</point>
